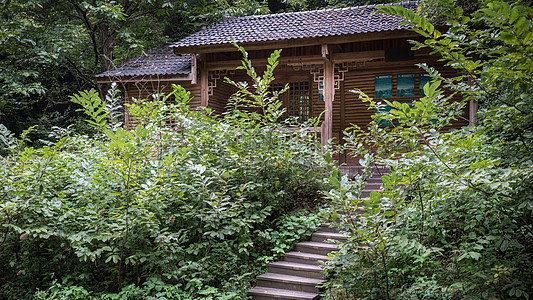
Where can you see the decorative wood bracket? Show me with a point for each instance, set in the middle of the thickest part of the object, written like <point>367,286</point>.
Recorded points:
<point>213,76</point>
<point>325,51</point>
<point>318,74</point>
<point>194,70</point>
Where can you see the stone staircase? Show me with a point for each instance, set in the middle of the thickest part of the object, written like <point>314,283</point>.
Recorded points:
<point>297,276</point>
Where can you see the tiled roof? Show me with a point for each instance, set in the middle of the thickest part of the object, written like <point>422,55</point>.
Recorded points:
<point>297,25</point>
<point>159,61</point>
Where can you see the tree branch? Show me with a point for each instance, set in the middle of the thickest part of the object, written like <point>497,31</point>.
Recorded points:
<point>83,75</point>
<point>92,30</point>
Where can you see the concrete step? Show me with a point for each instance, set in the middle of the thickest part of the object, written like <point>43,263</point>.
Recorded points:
<point>295,269</point>
<point>322,236</point>
<point>373,185</point>
<point>288,282</point>
<point>366,192</point>
<point>265,293</point>
<point>327,228</point>
<point>316,247</point>
<point>374,180</point>
<point>305,258</point>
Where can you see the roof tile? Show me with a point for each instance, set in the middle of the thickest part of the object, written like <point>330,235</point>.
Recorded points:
<point>159,61</point>
<point>295,25</point>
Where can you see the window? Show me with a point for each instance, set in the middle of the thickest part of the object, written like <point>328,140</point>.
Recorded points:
<point>382,110</point>
<point>276,87</point>
<point>383,86</point>
<point>405,85</point>
<point>404,88</point>
<point>299,101</point>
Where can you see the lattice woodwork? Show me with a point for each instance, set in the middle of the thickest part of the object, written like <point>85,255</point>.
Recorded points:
<point>213,76</point>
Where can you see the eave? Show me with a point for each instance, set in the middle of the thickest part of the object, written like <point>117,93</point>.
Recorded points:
<point>143,78</point>
<point>288,43</point>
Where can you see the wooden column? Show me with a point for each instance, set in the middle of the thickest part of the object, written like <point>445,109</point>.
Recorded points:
<point>342,158</point>
<point>194,69</point>
<point>204,88</point>
<point>127,115</point>
<point>329,95</point>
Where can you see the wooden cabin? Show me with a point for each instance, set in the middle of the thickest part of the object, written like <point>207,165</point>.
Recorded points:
<point>326,54</point>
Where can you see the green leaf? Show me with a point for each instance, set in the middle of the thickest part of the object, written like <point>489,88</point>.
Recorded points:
<point>334,181</point>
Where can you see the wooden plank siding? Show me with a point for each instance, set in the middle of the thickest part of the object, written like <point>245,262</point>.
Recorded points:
<point>145,89</point>
<point>356,112</point>
<point>219,100</point>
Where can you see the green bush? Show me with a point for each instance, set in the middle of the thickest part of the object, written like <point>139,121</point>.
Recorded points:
<point>454,220</point>
<point>187,211</point>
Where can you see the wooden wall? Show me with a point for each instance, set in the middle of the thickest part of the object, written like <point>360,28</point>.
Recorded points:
<point>145,89</point>
<point>356,112</point>
<point>219,100</point>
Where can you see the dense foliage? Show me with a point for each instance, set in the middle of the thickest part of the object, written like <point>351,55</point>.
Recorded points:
<point>455,218</point>
<point>185,206</point>
<point>52,49</point>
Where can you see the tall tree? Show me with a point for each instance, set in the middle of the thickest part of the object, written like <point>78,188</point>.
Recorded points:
<point>104,21</point>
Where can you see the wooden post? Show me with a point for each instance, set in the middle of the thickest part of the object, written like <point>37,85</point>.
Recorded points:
<point>329,95</point>
<point>204,88</point>
<point>194,68</point>
<point>342,158</point>
<point>127,115</point>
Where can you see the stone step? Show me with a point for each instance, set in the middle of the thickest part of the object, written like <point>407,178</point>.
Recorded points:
<point>297,276</point>
<point>288,282</point>
<point>374,180</point>
<point>305,258</point>
<point>366,192</point>
<point>265,293</point>
<point>373,185</point>
<point>327,228</point>
<point>322,236</point>
<point>358,211</point>
<point>353,215</point>
<point>316,247</point>
<point>295,269</point>
<point>354,170</point>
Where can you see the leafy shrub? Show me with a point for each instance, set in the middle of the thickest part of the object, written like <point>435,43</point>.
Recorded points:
<point>188,211</point>
<point>454,220</point>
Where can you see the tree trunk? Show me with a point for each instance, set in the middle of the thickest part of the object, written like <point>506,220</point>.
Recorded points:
<point>106,38</point>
